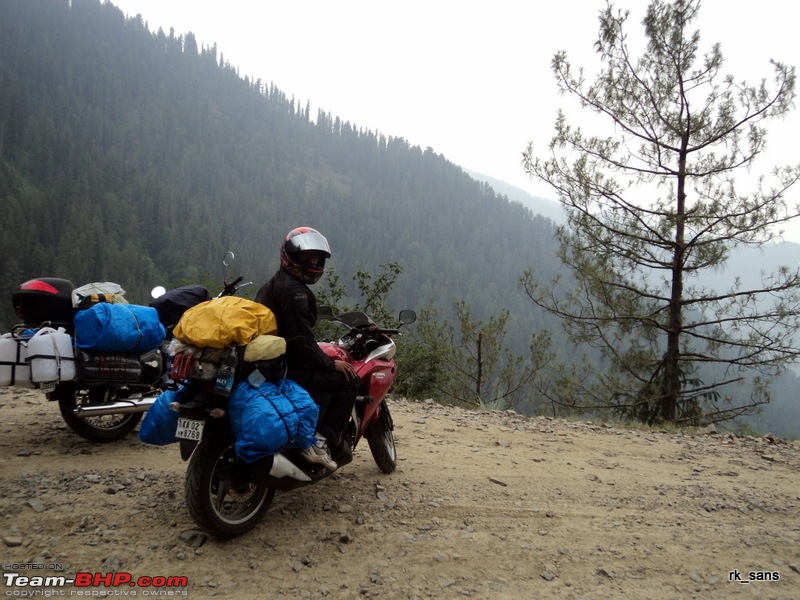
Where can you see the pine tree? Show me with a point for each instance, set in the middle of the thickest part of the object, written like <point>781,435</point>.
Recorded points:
<point>654,206</point>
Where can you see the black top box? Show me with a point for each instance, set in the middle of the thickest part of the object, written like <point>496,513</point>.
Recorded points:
<point>44,299</point>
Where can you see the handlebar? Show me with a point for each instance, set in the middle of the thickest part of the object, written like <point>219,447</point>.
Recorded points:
<point>389,331</point>
<point>230,288</point>
<point>358,321</point>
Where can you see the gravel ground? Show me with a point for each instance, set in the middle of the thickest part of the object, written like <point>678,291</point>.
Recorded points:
<point>482,505</point>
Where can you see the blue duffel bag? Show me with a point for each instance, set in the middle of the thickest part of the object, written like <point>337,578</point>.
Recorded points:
<point>160,421</point>
<point>269,417</point>
<point>107,327</point>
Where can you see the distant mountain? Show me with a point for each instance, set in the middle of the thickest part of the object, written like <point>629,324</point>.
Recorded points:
<point>748,265</point>
<point>540,206</point>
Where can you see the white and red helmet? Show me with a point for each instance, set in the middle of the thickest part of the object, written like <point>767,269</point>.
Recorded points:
<point>303,254</point>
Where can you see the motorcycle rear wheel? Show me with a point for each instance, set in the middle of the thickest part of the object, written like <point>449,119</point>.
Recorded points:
<point>220,494</point>
<point>103,429</point>
<point>381,441</point>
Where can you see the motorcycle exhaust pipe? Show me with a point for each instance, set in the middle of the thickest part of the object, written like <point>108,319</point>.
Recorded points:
<point>129,405</point>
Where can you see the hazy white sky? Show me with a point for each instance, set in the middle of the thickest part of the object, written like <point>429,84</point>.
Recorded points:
<point>471,80</point>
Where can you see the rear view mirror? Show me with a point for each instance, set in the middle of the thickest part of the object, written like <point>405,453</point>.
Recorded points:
<point>407,316</point>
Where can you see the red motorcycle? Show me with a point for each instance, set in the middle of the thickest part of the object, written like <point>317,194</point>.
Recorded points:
<point>227,496</point>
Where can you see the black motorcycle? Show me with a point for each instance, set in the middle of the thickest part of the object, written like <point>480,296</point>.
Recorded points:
<point>106,393</point>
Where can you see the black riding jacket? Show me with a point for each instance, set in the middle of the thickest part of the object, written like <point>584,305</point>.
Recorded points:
<point>295,309</point>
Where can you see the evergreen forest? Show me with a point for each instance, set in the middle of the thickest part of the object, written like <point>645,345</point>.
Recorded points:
<point>138,157</point>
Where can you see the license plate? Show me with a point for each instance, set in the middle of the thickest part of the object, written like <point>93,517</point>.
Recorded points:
<point>190,429</point>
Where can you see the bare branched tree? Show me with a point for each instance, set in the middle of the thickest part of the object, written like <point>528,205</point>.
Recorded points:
<point>471,365</point>
<point>652,207</point>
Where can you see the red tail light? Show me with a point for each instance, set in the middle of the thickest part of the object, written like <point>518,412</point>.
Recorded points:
<point>38,285</point>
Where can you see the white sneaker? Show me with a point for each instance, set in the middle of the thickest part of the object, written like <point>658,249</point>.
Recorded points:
<point>319,453</point>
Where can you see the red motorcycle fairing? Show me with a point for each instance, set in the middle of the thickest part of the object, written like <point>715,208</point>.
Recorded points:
<point>377,376</point>
<point>378,379</point>
<point>376,373</point>
<point>335,352</point>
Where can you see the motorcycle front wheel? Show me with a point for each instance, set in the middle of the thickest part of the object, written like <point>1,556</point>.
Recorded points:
<point>221,496</point>
<point>381,441</point>
<point>103,429</point>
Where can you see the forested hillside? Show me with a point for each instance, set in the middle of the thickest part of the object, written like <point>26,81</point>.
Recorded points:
<point>137,157</point>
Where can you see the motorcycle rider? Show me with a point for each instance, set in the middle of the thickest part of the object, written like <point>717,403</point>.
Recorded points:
<point>333,383</point>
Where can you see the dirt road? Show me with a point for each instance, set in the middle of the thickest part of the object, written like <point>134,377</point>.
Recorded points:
<point>482,505</point>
